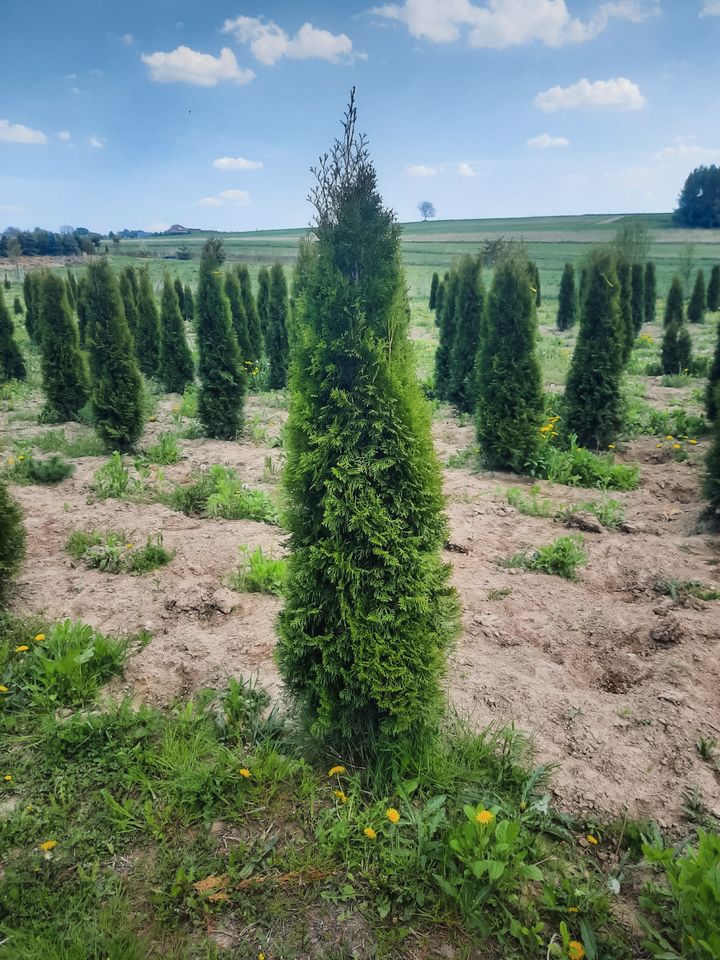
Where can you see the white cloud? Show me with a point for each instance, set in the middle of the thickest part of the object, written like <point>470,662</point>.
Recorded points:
<point>507,23</point>
<point>237,163</point>
<point>128,39</point>
<point>711,8</point>
<point>465,170</point>
<point>65,135</point>
<point>96,142</point>
<point>239,198</point>
<point>270,43</point>
<point>685,149</point>
<point>544,141</point>
<point>18,133</point>
<point>184,65</point>
<point>420,170</point>
<point>617,94</point>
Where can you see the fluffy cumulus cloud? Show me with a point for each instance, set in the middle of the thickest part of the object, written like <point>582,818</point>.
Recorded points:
<point>237,163</point>
<point>687,150</point>
<point>270,43</point>
<point>616,94</point>
<point>96,142</point>
<point>128,39</point>
<point>420,170</point>
<point>508,23</point>
<point>238,198</point>
<point>184,65</point>
<point>544,141</point>
<point>711,8</point>
<point>18,133</point>
<point>465,170</point>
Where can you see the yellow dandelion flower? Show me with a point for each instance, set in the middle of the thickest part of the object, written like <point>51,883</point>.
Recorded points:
<point>152,419</point>
<point>572,910</point>
<point>369,833</point>
<point>340,794</point>
<point>554,434</point>
<point>333,771</point>
<point>129,546</point>
<point>591,839</point>
<point>576,951</point>
<point>175,408</point>
<point>261,956</point>
<point>4,689</point>
<point>22,648</point>
<point>611,446</point>
<point>11,461</point>
<point>7,778</point>
<point>21,457</point>
<point>48,845</point>
<point>693,442</point>
<point>39,637</point>
<point>392,814</point>
<point>244,772</point>
<point>658,444</point>
<point>484,817</point>
<point>669,437</point>
<point>677,446</point>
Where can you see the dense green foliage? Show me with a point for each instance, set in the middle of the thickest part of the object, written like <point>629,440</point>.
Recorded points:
<point>368,613</point>
<point>17,306</point>
<point>650,288</point>
<point>592,394</point>
<point>469,307</point>
<point>31,296</point>
<point>434,284</point>
<point>12,540</point>
<point>697,305</point>
<point>676,345</point>
<point>147,338</point>
<point>637,297</point>
<point>674,304</point>
<point>276,330</point>
<point>567,299</point>
<point>222,380</point>
<point>446,317</point>
<point>238,315</point>
<point>509,381</point>
<point>176,365</point>
<point>81,309</point>
<point>713,290</point>
<point>188,303</point>
<point>263,298</point>
<point>128,292</point>
<point>699,202</point>
<point>711,485</point>
<point>253,321</point>
<point>711,404</point>
<point>535,282</point>
<point>627,326</point>
<point>63,364</point>
<point>12,364</point>
<point>116,384</point>
<point>180,294</point>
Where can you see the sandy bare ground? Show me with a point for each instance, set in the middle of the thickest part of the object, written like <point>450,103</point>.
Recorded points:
<point>614,682</point>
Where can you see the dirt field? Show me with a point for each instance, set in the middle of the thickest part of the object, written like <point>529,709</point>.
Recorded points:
<point>614,681</point>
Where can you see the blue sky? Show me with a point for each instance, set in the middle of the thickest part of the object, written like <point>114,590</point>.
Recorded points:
<point>141,114</point>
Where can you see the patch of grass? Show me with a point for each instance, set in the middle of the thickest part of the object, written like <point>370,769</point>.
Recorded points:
<point>530,504</point>
<point>113,480</point>
<point>676,379</point>
<point>499,594</point>
<point>463,458</point>
<point>609,512</point>
<point>258,573</point>
<point>56,441</point>
<point>219,493</point>
<point>578,467</point>
<point>163,452</point>
<point>642,419</point>
<point>115,552</point>
<point>681,590</point>
<point>560,558</point>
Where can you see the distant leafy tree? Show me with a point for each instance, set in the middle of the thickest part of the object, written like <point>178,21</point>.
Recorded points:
<point>469,307</point>
<point>592,403</point>
<point>713,290</point>
<point>632,242</point>
<point>434,284</point>
<point>222,380</point>
<point>567,299</point>
<point>676,352</point>
<point>626,317</point>
<point>117,396</point>
<point>686,265</point>
<point>12,365</point>
<point>176,365</point>
<point>699,201</point>
<point>238,316</point>
<point>12,541</point>
<point>253,321</point>
<point>675,304</point>
<point>637,296</point>
<point>650,287</point>
<point>147,337</point>
<point>698,303</point>
<point>188,303</point>
<point>63,364</point>
<point>446,339</point>
<point>276,337</point>
<point>509,380</point>
<point>263,296</point>
<point>426,209</point>
<point>127,292</point>
<point>180,294</point>
<point>713,384</point>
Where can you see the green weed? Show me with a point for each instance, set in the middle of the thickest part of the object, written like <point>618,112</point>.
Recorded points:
<point>115,552</point>
<point>220,494</point>
<point>163,452</point>
<point>578,467</point>
<point>258,573</point>
<point>560,558</point>
<point>681,590</point>
<point>531,505</point>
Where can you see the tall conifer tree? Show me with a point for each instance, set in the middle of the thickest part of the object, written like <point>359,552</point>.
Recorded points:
<point>263,298</point>
<point>698,304</point>
<point>238,316</point>
<point>446,339</point>
<point>180,294</point>
<point>188,303</point>
<point>434,284</point>
<point>176,365</point>
<point>12,365</point>
<point>253,321</point>
<point>637,296</point>
<point>12,541</point>
<point>713,382</point>
<point>675,303</point>
<point>116,395</point>
<point>713,290</point>
<point>368,613</point>
<point>567,299</point>
<point>626,316</point>
<point>64,367</point>
<point>650,286</point>
<point>222,379</point>
<point>147,337</point>
<point>31,295</point>
<point>276,334</point>
<point>469,306</point>
<point>676,352</point>
<point>711,480</point>
<point>127,292</point>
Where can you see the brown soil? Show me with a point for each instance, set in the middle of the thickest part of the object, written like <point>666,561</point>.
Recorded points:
<point>614,682</point>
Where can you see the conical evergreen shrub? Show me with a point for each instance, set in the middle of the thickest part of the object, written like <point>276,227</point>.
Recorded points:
<point>12,364</point>
<point>675,303</point>
<point>253,321</point>
<point>238,317</point>
<point>711,480</point>
<point>17,307</point>
<point>637,297</point>
<point>697,304</point>
<point>440,299</point>
<point>222,379</point>
<point>535,283</point>
<point>368,613</point>
<point>180,294</point>
<point>592,405</point>
<point>434,284</point>
<point>31,295</point>
<point>263,298</point>
<point>81,309</point>
<point>63,364</point>
<point>188,303</point>
<point>676,352</point>
<point>446,339</point>
<point>12,541</point>
<point>567,299</point>
<point>713,290</point>
<point>650,289</point>
<point>176,365</point>
<point>711,405</point>
<point>300,278</point>
<point>127,292</point>
<point>509,381</point>
<point>276,335</point>
<point>147,337</point>
<point>117,396</point>
<point>469,306</point>
<point>626,317</point>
